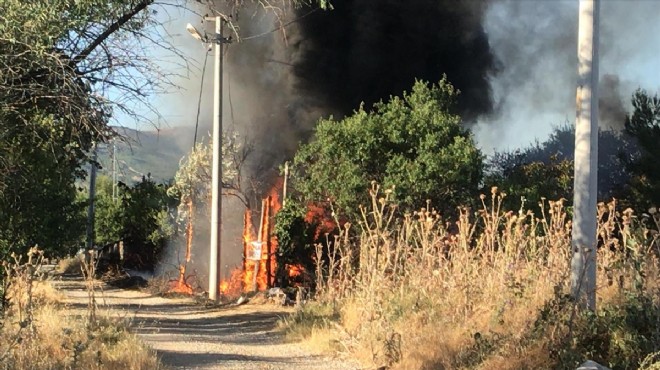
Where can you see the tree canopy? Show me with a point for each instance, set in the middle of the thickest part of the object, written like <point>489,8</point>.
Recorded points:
<point>412,143</point>
<point>644,125</point>
<point>545,169</point>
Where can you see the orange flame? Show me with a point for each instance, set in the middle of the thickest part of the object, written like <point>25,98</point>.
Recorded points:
<point>321,216</point>
<point>295,270</point>
<point>233,286</point>
<point>265,264</point>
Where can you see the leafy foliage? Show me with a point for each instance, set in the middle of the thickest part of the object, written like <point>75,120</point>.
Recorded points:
<point>143,207</point>
<point>192,181</point>
<point>644,125</point>
<point>413,143</point>
<point>140,216</point>
<point>295,237</point>
<point>532,181</point>
<point>545,169</point>
<point>38,204</point>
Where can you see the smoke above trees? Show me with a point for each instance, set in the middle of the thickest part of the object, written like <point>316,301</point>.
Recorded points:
<point>513,61</point>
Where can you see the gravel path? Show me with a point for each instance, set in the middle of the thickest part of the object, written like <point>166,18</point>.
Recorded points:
<point>189,336</point>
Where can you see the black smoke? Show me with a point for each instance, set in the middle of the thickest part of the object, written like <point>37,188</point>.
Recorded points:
<point>278,84</point>
<point>365,51</point>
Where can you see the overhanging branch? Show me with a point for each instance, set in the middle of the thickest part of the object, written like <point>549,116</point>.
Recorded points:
<point>111,29</point>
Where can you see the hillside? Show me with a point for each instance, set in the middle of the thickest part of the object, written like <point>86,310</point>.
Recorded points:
<point>140,153</point>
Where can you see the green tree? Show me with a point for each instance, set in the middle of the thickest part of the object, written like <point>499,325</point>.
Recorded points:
<point>413,143</point>
<point>545,169</point>
<point>61,62</point>
<point>531,180</point>
<point>295,240</point>
<point>38,203</point>
<point>644,125</point>
<point>144,208</point>
<point>109,213</point>
<point>141,215</point>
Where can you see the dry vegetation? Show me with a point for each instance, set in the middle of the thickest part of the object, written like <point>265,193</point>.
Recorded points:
<point>70,265</point>
<point>38,333</point>
<point>486,291</point>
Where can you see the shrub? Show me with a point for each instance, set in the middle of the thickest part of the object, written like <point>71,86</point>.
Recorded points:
<point>413,142</point>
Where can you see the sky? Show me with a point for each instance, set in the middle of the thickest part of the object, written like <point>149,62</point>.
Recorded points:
<point>534,88</point>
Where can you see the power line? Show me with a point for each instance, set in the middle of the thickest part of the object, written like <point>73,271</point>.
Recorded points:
<point>280,27</point>
<point>199,101</point>
<point>231,104</point>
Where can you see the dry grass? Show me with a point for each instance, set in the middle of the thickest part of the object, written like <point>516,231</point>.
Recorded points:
<point>38,333</point>
<point>485,291</point>
<point>70,265</point>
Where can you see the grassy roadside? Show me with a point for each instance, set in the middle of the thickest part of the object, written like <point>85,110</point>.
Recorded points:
<point>487,290</point>
<point>38,332</point>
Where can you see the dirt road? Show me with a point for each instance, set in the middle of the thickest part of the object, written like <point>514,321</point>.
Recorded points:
<point>189,336</point>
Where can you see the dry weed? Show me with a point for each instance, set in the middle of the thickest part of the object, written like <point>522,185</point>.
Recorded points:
<point>428,293</point>
<point>37,334</point>
<point>71,265</point>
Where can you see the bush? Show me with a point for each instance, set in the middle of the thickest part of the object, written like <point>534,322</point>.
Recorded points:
<point>414,143</point>
<point>70,265</point>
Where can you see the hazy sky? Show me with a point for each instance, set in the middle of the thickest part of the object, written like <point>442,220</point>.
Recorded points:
<point>536,41</point>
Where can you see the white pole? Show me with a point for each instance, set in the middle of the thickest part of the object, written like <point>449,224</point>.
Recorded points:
<point>114,171</point>
<point>583,262</point>
<point>92,195</point>
<point>216,186</point>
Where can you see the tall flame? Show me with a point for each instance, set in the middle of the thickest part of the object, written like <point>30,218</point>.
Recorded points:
<point>264,264</point>
<point>262,261</point>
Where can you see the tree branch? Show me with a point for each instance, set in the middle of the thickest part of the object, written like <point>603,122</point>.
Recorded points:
<point>105,34</point>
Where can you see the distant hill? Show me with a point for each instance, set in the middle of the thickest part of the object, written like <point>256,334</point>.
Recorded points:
<point>146,152</point>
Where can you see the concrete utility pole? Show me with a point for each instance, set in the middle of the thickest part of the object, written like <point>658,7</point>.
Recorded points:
<point>92,195</point>
<point>216,186</point>
<point>216,182</point>
<point>583,262</point>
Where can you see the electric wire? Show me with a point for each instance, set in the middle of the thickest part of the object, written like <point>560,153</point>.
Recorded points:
<point>199,101</point>
<point>231,104</point>
<point>280,27</point>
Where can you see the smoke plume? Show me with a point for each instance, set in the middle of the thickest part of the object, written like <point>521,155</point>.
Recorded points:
<point>365,51</point>
<point>277,84</point>
<point>612,109</point>
<point>535,43</point>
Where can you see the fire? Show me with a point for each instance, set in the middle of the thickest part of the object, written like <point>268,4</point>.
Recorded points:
<point>234,285</point>
<point>295,270</point>
<point>322,217</point>
<point>259,248</point>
